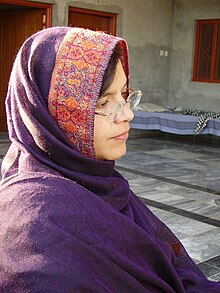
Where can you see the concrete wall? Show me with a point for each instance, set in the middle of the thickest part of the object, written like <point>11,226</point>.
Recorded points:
<point>147,27</point>
<point>183,92</point>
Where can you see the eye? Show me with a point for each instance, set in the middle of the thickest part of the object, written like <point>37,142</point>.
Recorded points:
<point>102,104</point>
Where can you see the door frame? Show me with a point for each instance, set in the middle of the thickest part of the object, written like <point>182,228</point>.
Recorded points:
<point>46,6</point>
<point>112,16</point>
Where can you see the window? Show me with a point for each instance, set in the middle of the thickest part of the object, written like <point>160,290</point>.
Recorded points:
<point>207,51</point>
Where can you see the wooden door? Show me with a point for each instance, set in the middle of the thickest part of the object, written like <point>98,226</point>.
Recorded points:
<point>15,27</point>
<point>92,19</point>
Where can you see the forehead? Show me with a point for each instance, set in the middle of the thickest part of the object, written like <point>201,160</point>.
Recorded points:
<point>120,79</point>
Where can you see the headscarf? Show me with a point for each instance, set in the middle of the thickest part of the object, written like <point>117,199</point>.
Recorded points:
<point>69,222</point>
<point>57,77</point>
<point>76,82</point>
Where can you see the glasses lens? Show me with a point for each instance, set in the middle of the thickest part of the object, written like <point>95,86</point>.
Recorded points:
<point>119,109</point>
<point>134,98</point>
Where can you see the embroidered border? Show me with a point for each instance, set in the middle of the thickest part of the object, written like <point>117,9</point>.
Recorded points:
<point>76,82</point>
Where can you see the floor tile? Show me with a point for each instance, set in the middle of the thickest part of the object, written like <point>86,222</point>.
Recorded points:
<point>207,269</point>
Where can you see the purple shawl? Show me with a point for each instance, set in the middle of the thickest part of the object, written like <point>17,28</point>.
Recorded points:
<point>69,222</point>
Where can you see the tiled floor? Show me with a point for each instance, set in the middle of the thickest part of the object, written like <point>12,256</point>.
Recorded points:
<point>180,183</point>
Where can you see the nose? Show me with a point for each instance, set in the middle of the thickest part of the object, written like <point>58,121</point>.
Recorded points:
<point>126,114</point>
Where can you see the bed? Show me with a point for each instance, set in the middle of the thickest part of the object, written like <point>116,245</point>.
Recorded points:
<point>172,121</point>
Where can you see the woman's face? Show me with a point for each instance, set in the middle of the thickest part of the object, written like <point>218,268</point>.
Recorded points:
<point>110,136</point>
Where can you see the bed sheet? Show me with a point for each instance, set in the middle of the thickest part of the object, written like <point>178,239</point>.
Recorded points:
<point>173,123</point>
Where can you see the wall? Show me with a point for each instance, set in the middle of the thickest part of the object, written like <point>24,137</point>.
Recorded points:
<point>183,92</point>
<point>147,27</point>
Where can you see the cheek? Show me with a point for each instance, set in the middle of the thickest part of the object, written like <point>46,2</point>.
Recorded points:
<point>107,148</point>
<point>100,130</point>
<point>102,133</point>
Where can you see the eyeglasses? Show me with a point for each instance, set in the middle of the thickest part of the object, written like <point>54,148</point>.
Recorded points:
<point>114,110</point>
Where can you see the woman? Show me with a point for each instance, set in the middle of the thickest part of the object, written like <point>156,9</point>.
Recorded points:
<point>69,222</point>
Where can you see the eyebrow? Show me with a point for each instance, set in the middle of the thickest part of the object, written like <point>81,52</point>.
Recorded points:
<point>107,93</point>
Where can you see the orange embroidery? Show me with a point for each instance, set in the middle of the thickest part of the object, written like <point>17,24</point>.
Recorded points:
<point>71,103</point>
<point>69,126</point>
<point>177,249</point>
<point>80,64</point>
<point>63,113</point>
<point>76,82</point>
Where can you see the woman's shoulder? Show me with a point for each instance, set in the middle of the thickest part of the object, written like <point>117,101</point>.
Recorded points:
<point>36,182</point>
<point>34,192</point>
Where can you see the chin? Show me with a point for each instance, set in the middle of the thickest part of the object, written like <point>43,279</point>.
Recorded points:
<point>111,155</point>
<point>118,154</point>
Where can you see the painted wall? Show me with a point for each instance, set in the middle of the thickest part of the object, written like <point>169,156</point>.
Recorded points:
<point>183,92</point>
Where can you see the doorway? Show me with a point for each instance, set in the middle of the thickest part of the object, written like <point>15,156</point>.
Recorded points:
<point>17,23</point>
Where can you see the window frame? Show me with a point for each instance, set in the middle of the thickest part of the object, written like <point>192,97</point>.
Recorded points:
<point>216,32</point>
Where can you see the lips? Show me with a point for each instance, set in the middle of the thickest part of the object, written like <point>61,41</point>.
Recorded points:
<point>122,136</point>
